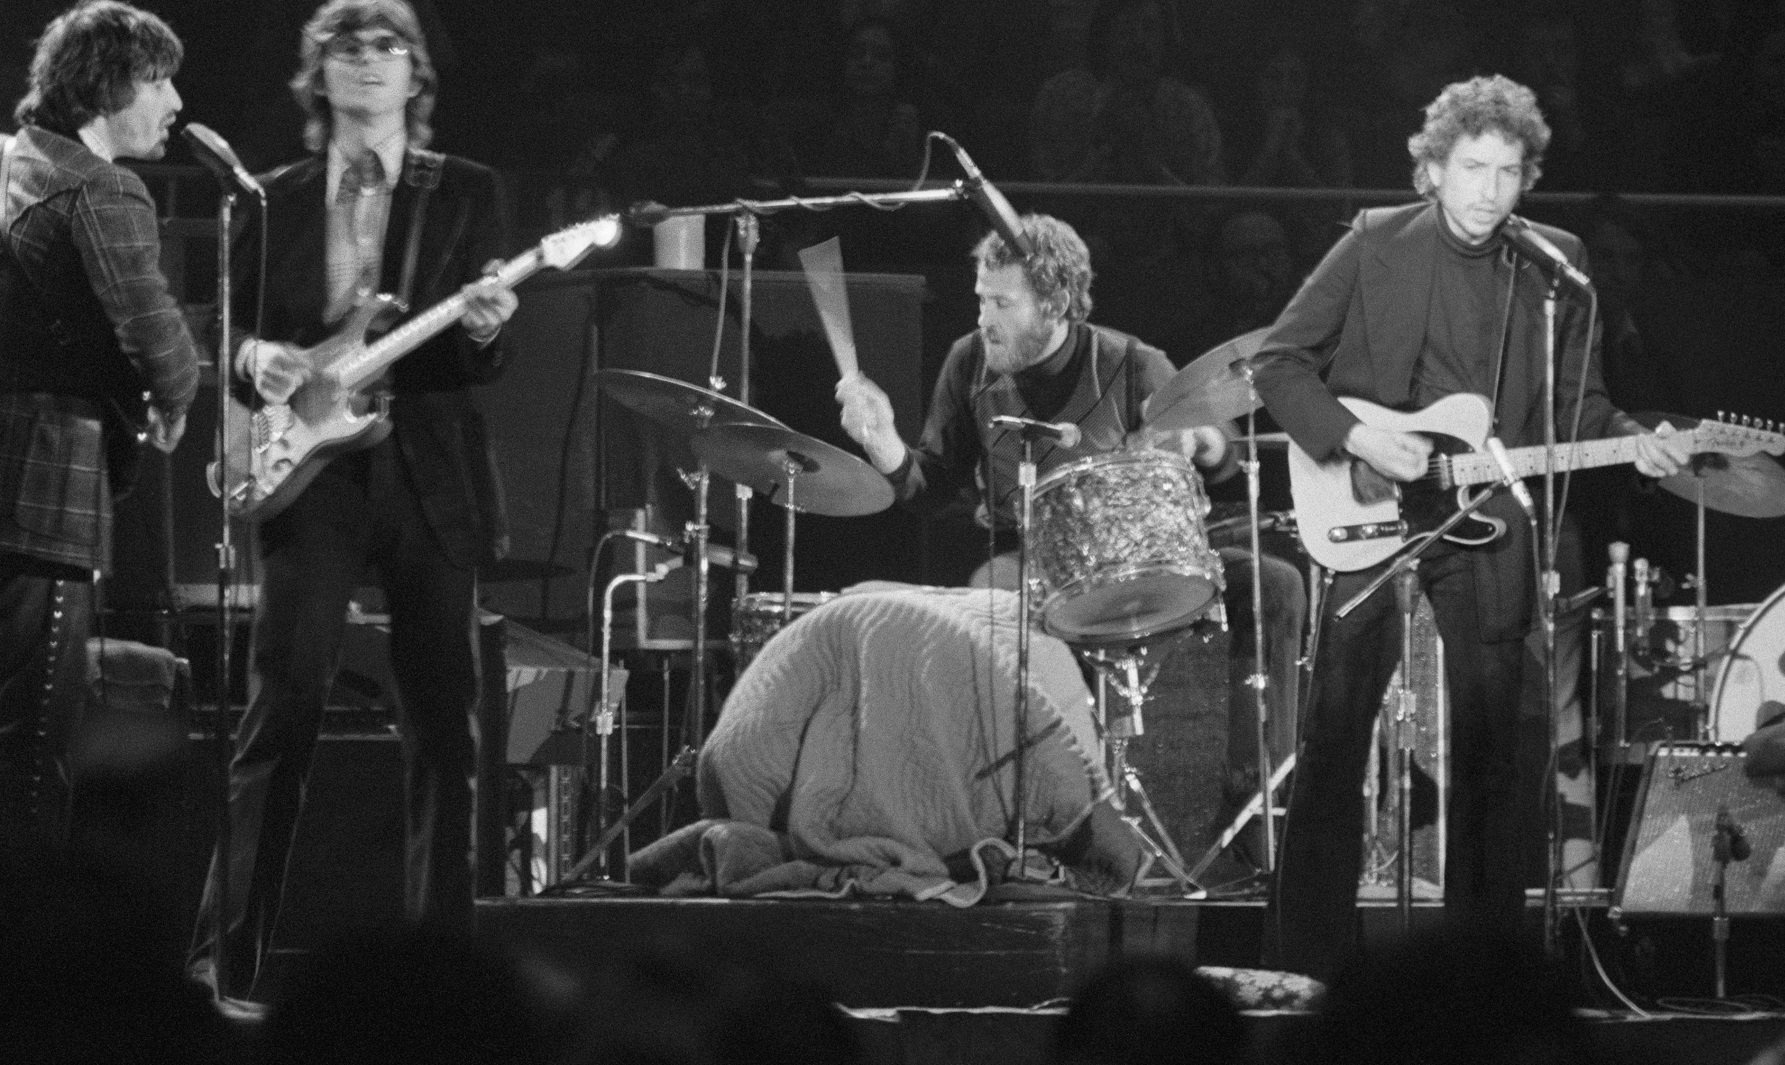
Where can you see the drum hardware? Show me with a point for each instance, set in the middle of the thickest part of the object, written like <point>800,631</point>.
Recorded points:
<point>1406,586</point>
<point>1121,670</point>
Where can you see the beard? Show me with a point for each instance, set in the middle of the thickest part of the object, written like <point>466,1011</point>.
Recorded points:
<point>1020,350</point>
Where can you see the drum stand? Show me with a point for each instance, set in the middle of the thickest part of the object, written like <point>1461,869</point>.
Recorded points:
<point>1123,673</point>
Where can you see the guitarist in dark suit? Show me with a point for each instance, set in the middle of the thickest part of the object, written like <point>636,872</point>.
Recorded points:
<point>87,326</point>
<point>1407,308</point>
<point>371,211</point>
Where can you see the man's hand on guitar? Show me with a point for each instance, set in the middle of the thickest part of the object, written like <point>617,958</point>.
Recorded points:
<point>1394,454</point>
<point>163,433</point>
<point>277,370</point>
<point>488,305</point>
<point>1663,452</point>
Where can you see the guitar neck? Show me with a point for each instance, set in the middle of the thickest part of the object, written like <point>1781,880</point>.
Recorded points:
<point>1478,467</point>
<point>376,357</point>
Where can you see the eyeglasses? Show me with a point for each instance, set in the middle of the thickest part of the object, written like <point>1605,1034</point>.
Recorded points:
<point>378,49</point>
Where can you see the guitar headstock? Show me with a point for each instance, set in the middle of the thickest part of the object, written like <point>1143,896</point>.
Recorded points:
<point>567,247</point>
<point>1732,435</point>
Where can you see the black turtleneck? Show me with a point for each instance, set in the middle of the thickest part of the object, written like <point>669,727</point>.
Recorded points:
<point>1462,318</point>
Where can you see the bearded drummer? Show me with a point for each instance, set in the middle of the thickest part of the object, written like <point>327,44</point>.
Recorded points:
<point>1036,357</point>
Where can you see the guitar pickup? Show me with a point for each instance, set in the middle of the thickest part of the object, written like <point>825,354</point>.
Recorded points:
<point>1373,530</point>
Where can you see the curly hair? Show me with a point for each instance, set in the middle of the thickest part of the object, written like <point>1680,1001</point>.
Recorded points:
<point>1059,270</point>
<point>1492,104</point>
<point>89,61</point>
<point>350,16</point>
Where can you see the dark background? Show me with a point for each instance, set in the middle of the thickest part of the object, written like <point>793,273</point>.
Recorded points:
<point>1146,124</point>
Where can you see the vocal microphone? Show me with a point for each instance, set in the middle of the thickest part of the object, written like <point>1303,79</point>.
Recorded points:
<point>991,203</point>
<point>1066,433</point>
<point>1509,476</point>
<point>1523,238</point>
<point>217,156</point>
<point>1614,578</point>
<point>1739,848</point>
<point>717,555</point>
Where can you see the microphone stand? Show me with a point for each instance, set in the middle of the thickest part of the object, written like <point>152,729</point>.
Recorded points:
<point>1549,585</point>
<point>222,734</point>
<point>1025,479</point>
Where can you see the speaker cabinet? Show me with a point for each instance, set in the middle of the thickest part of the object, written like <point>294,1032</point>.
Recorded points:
<point>1670,864</point>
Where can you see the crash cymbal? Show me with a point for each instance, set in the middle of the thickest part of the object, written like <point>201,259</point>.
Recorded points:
<point>1211,390</point>
<point>827,479</point>
<point>684,408</point>
<point>1748,486</point>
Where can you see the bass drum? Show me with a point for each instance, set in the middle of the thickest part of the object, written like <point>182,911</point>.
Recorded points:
<point>1750,688</point>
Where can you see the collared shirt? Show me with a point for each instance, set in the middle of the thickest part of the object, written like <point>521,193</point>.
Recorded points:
<point>356,226</point>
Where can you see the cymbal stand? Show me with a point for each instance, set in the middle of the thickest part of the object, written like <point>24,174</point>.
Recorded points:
<point>1123,673</point>
<point>601,715</point>
<point>794,465</point>
<point>1701,704</point>
<point>1260,678</point>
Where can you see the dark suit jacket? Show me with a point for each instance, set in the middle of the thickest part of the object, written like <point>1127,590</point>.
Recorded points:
<point>1356,328</point>
<point>436,426</point>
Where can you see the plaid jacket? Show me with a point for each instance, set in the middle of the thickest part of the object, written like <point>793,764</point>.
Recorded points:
<point>80,236</point>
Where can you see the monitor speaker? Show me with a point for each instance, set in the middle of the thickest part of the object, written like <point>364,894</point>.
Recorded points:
<point>1671,854</point>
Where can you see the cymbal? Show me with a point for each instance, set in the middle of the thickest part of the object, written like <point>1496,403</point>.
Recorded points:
<point>1212,389</point>
<point>1748,486</point>
<point>677,405</point>
<point>826,479</point>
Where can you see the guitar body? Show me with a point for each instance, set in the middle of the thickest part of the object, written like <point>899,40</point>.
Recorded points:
<point>275,452</point>
<point>1351,518</point>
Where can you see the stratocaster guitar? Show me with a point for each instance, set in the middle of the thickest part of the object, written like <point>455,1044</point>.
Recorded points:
<point>273,453</point>
<point>1351,517</point>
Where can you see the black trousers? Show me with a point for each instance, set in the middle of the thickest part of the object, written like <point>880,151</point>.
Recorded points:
<point>45,612</point>
<point>360,514</point>
<point>1311,922</point>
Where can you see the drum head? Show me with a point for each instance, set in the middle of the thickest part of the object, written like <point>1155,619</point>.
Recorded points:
<point>1127,611</point>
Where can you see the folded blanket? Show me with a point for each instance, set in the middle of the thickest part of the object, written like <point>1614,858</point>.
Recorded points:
<point>869,746</point>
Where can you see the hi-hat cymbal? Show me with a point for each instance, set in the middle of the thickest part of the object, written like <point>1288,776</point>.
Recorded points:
<point>1212,389</point>
<point>1748,486</point>
<point>677,405</point>
<point>825,479</point>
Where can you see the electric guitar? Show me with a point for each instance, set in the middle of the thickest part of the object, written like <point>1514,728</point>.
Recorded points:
<point>1352,517</point>
<point>273,453</point>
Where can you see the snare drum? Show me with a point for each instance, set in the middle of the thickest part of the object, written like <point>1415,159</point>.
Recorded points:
<point>1662,687</point>
<point>1118,548</point>
<point>760,615</point>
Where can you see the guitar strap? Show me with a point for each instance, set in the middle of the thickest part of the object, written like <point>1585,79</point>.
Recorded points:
<point>1505,342</point>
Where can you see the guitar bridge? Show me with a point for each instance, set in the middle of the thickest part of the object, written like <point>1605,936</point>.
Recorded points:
<point>1374,530</point>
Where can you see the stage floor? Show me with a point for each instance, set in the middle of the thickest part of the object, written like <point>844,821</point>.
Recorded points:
<point>927,984</point>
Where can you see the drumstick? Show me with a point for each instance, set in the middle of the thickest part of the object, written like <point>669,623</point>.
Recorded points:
<point>823,264</point>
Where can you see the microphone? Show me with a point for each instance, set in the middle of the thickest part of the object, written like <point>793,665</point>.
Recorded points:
<point>1510,478</point>
<point>1615,577</point>
<point>646,213</point>
<point>992,203</point>
<point>1066,433</point>
<point>1739,848</point>
<point>716,554</point>
<point>217,156</point>
<point>1523,238</point>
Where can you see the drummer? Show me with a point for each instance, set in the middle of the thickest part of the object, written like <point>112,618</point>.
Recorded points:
<point>1036,356</point>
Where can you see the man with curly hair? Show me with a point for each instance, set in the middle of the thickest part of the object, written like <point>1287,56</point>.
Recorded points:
<point>1413,304</point>
<point>87,327</point>
<point>370,211</point>
<point>1036,355</point>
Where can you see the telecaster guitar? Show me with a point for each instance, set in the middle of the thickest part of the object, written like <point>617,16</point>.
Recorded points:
<point>1351,517</point>
<point>273,453</point>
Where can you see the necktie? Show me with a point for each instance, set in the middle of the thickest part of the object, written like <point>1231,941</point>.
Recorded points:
<point>363,179</point>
